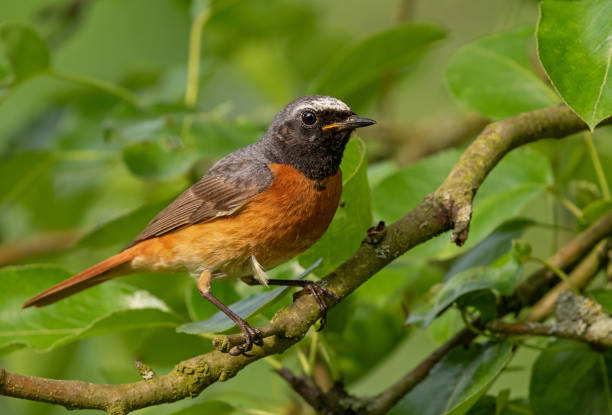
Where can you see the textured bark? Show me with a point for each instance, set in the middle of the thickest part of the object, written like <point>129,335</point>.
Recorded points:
<point>448,208</point>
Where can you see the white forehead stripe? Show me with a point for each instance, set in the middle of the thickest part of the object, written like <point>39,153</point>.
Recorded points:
<point>324,103</point>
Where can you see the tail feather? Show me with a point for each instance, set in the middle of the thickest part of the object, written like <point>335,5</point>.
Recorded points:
<point>88,278</point>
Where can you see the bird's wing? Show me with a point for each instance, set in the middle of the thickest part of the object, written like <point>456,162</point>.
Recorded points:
<point>221,192</point>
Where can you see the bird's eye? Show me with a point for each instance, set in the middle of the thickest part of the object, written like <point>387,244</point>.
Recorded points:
<point>308,118</point>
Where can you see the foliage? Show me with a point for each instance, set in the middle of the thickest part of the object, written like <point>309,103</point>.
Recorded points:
<point>458,381</point>
<point>97,135</point>
<point>585,38</point>
<point>570,379</point>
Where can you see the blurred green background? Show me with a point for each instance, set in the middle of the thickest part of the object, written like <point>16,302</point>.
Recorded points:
<point>74,157</point>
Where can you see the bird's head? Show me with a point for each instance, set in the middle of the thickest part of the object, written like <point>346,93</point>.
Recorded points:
<point>311,132</point>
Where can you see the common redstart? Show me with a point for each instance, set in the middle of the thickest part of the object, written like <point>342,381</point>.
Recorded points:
<point>254,209</point>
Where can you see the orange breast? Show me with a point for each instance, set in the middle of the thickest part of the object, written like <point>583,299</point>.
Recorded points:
<point>276,225</point>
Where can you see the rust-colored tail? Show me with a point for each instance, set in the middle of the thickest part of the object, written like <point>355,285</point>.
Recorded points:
<point>88,278</point>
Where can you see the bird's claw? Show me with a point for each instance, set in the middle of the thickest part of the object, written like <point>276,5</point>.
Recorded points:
<point>319,293</point>
<point>252,336</point>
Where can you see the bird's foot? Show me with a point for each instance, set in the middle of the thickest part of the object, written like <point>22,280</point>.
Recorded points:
<point>319,293</point>
<point>252,336</point>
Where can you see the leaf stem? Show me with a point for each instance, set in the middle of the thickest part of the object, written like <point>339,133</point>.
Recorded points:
<point>84,155</point>
<point>557,271</point>
<point>253,411</point>
<point>193,64</point>
<point>323,349</point>
<point>275,363</point>
<point>575,210</point>
<point>303,361</point>
<point>601,176</point>
<point>98,84</point>
<point>554,226</point>
<point>312,354</point>
<point>472,327</point>
<point>519,409</point>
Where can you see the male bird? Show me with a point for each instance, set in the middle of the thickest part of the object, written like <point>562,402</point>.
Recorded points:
<point>253,210</point>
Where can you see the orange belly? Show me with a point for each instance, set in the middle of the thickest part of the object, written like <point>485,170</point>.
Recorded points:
<point>276,225</point>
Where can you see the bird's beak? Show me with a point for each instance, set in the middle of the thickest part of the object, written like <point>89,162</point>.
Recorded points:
<point>350,123</point>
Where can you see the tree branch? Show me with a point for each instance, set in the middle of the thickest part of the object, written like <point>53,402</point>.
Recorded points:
<point>449,207</point>
<point>387,399</point>
<point>578,318</point>
<point>531,288</point>
<point>41,244</point>
<point>336,401</point>
<point>580,276</point>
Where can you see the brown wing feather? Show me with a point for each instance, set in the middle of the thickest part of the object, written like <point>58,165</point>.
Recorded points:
<point>213,196</point>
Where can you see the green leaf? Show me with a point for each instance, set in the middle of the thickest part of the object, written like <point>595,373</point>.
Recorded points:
<point>456,383</point>
<point>121,230</point>
<point>604,298</point>
<point>165,147</point>
<point>369,59</point>
<point>207,408</point>
<point>575,47</point>
<point>107,308</point>
<point>577,381</point>
<point>376,330</point>
<point>244,308</point>
<point>217,137</point>
<point>521,250</point>
<point>493,76</point>
<point>594,211</point>
<point>500,279</point>
<point>485,301</point>
<point>520,177</point>
<point>445,326</point>
<point>352,219</point>
<point>393,281</point>
<point>402,191</point>
<point>490,248</point>
<point>158,159</point>
<point>486,405</point>
<point>26,51</point>
<point>5,71</point>
<point>21,170</point>
<point>502,400</point>
<point>489,405</point>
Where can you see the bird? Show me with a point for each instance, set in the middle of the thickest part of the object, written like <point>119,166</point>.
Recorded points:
<point>256,208</point>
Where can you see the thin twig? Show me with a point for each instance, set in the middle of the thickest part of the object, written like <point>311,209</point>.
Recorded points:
<point>390,396</point>
<point>580,277</point>
<point>103,86</point>
<point>599,171</point>
<point>578,318</point>
<point>531,289</point>
<point>193,63</point>
<point>41,244</point>
<point>557,271</point>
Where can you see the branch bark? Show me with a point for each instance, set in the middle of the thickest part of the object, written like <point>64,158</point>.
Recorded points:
<point>448,208</point>
<point>577,318</point>
<point>580,276</point>
<point>578,247</point>
<point>42,244</point>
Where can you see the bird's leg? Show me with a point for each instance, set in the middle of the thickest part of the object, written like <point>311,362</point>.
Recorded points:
<point>319,293</point>
<point>251,335</point>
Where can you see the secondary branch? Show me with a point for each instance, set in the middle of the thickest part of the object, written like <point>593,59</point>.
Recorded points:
<point>448,208</point>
